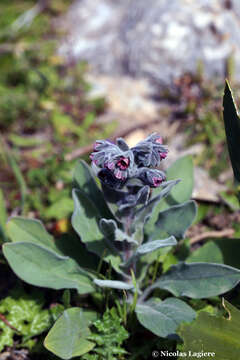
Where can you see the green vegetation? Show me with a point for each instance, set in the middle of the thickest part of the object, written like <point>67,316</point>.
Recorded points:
<point>106,305</point>
<point>44,113</point>
<point>22,314</point>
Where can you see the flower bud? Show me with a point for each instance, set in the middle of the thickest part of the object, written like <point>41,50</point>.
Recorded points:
<point>150,152</point>
<point>152,177</point>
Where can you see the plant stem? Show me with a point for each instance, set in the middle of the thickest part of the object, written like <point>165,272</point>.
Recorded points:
<point>135,296</point>
<point>145,294</point>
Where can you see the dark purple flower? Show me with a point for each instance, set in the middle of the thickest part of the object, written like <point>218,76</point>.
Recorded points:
<point>150,152</point>
<point>119,166</point>
<point>123,163</point>
<point>152,177</point>
<point>116,162</point>
<point>110,156</point>
<point>103,152</point>
<point>154,138</point>
<point>163,154</point>
<point>108,178</point>
<point>157,180</point>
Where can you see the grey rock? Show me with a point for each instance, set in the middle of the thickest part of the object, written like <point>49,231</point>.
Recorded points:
<point>157,39</point>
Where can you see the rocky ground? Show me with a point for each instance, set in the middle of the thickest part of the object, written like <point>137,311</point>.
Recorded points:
<point>136,48</point>
<point>157,39</point>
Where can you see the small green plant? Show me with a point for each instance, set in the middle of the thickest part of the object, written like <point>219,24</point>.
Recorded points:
<point>108,347</point>
<point>23,315</point>
<point>45,112</point>
<point>127,221</point>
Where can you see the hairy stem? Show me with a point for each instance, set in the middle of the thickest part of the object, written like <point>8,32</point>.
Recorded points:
<point>145,294</point>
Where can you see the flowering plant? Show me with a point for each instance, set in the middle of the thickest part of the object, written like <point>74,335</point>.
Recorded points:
<point>126,226</point>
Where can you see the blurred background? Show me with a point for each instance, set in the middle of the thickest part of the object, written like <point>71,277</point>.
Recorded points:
<point>75,71</point>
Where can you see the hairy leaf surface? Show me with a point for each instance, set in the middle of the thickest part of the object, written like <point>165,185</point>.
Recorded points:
<point>175,220</point>
<point>68,336</point>
<point>199,280</point>
<point>181,169</point>
<point>155,245</point>
<point>42,267</point>
<point>84,180</point>
<point>163,317</point>
<point>85,221</point>
<point>21,229</point>
<point>114,284</point>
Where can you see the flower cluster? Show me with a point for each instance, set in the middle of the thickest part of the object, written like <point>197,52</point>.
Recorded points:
<point>150,151</point>
<point>116,163</point>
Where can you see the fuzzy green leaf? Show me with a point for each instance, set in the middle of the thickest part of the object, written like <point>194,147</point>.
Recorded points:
<point>68,336</point>
<point>181,169</point>
<point>84,181</point>
<point>120,235</point>
<point>24,312</point>
<point>199,280</point>
<point>42,267</point>
<point>175,220</point>
<point>209,252</point>
<point>120,285</point>
<point>85,222</point>
<point>108,227</point>
<point>225,251</point>
<point>213,334</point>
<point>20,229</point>
<point>144,213</point>
<point>163,317</point>
<point>30,230</point>
<point>232,128</point>
<point>155,245</point>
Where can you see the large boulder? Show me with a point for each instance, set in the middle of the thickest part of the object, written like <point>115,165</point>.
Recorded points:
<point>158,39</point>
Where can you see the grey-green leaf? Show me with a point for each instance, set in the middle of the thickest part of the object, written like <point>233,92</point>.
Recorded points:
<point>199,280</point>
<point>29,230</point>
<point>84,180</point>
<point>156,244</point>
<point>175,220</point>
<point>181,169</point>
<point>145,211</point>
<point>163,317</point>
<point>209,252</point>
<point>85,221</point>
<point>42,267</point>
<point>68,336</point>
<point>113,284</point>
<point>232,128</point>
<point>108,227</point>
<point>20,229</point>
<point>122,236</point>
